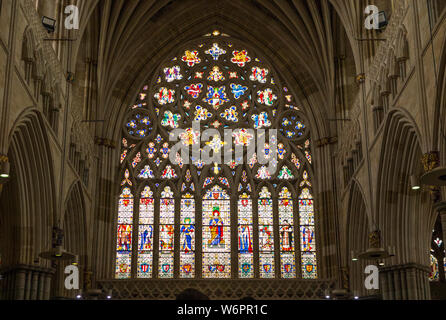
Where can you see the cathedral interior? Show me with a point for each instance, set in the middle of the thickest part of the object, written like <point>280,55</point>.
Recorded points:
<point>244,149</point>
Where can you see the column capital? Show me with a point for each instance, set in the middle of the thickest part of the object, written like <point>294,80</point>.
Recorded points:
<point>430,160</point>
<point>375,239</point>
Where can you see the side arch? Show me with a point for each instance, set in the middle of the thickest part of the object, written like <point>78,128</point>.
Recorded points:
<point>403,215</point>
<point>28,202</point>
<point>357,230</point>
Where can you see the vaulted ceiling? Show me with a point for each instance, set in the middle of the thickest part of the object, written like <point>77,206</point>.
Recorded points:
<point>129,38</point>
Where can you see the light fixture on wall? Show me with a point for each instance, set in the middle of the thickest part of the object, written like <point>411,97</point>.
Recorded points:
<point>49,24</point>
<point>75,261</point>
<point>375,250</point>
<point>415,182</point>
<point>327,294</point>
<point>57,254</point>
<point>4,169</point>
<point>435,177</point>
<point>354,256</point>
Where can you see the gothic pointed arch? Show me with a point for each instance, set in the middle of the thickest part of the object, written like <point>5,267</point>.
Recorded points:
<point>32,189</point>
<point>213,216</point>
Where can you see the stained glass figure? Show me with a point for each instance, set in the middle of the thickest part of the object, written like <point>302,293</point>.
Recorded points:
<point>307,232</point>
<point>173,73</point>
<point>286,231</point>
<point>191,58</point>
<point>165,96</point>
<point>258,74</point>
<point>266,234</point>
<point>187,237</point>
<point>216,234</point>
<point>215,51</point>
<point>145,234</point>
<point>245,237</point>
<point>240,58</point>
<point>266,97</point>
<point>216,96</point>
<point>238,90</point>
<point>166,233</point>
<point>194,90</point>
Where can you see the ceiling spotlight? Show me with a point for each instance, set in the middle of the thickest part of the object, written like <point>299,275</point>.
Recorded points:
<point>415,182</point>
<point>4,170</point>
<point>49,24</point>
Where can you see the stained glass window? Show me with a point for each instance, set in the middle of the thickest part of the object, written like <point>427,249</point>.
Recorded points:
<point>216,234</point>
<point>245,237</point>
<point>286,231</point>
<point>437,253</point>
<point>266,234</point>
<point>223,85</point>
<point>166,234</point>
<point>187,237</point>
<point>145,235</point>
<point>124,234</point>
<point>307,232</point>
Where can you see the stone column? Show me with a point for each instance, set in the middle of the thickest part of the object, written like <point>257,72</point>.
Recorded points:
<point>34,285</point>
<point>19,290</point>
<point>47,287</point>
<point>405,282</point>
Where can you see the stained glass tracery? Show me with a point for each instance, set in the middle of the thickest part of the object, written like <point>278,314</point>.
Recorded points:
<point>222,85</point>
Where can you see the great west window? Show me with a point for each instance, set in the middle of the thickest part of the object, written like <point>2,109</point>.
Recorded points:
<point>229,219</point>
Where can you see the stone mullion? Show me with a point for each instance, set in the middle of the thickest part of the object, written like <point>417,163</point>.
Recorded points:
<point>255,231</point>
<point>277,262</point>
<point>296,228</point>
<point>156,232</point>
<point>234,237</point>
<point>198,238</point>
<point>135,235</point>
<point>176,241</point>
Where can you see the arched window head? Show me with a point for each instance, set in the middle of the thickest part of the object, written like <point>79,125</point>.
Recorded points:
<point>216,151</point>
